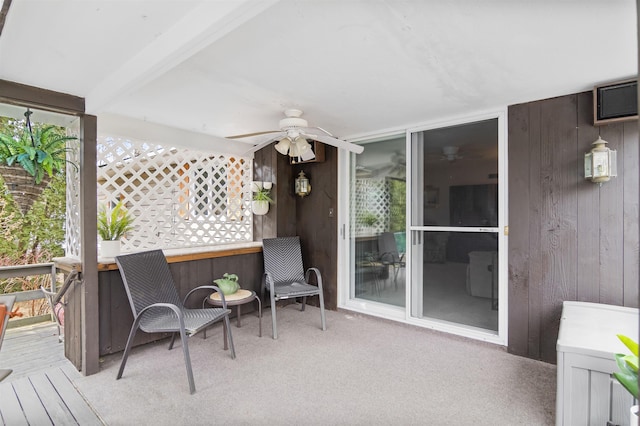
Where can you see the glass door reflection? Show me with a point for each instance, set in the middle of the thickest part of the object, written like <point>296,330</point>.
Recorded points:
<point>378,222</point>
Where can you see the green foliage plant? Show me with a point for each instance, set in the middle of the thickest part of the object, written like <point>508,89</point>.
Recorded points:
<point>113,225</point>
<point>628,366</point>
<point>369,219</point>
<point>37,149</point>
<point>262,194</point>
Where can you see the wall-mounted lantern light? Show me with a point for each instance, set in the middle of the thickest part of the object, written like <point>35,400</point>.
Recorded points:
<point>600,162</point>
<point>303,187</point>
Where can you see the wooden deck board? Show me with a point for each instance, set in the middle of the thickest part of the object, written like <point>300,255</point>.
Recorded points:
<point>40,390</point>
<point>10,410</point>
<point>80,410</point>
<point>30,404</point>
<point>45,399</point>
<point>31,349</point>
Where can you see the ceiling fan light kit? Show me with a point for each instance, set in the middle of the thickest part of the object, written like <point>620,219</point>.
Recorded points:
<point>294,135</point>
<point>283,146</point>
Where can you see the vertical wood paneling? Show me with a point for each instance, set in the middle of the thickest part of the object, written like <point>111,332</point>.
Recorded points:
<point>287,203</point>
<point>258,175</point>
<point>559,238</point>
<point>73,325</point>
<point>611,224</point>
<point>576,240</point>
<point>536,277</point>
<point>104,295</point>
<point>588,201</point>
<point>519,211</point>
<point>631,231</point>
<point>316,229</point>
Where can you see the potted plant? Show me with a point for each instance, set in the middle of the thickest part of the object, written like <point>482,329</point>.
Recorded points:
<point>30,158</point>
<point>111,227</point>
<point>261,200</point>
<point>228,284</point>
<point>628,374</point>
<point>368,219</point>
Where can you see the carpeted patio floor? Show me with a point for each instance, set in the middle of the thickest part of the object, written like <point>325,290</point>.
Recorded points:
<point>361,371</point>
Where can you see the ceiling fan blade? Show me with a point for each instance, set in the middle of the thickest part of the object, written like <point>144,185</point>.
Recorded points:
<point>261,144</point>
<point>248,135</point>
<point>335,142</point>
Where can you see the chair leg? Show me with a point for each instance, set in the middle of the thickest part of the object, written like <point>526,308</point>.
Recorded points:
<point>127,348</point>
<point>324,322</point>
<point>187,360</point>
<point>273,317</point>
<point>304,302</point>
<point>173,339</point>
<point>229,337</point>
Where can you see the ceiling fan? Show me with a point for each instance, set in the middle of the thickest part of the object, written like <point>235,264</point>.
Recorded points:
<point>396,167</point>
<point>293,137</point>
<point>450,153</point>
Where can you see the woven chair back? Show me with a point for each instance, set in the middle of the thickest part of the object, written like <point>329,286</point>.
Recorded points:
<point>147,279</point>
<point>283,259</point>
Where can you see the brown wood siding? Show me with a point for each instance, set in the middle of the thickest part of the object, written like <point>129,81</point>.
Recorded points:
<point>306,217</point>
<point>569,239</point>
<point>318,231</point>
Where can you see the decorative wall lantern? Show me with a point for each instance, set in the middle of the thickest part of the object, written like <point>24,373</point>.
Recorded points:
<point>600,162</point>
<point>303,187</point>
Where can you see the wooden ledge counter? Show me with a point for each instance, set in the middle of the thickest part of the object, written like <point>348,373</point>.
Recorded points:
<point>193,253</point>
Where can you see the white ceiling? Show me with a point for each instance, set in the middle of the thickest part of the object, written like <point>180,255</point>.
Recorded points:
<point>355,68</point>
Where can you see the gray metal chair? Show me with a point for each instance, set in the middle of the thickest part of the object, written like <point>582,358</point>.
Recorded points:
<point>284,276</point>
<point>389,255</point>
<point>157,308</point>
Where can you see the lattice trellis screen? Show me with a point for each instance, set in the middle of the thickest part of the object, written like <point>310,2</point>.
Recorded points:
<point>72,216</point>
<point>371,199</point>
<point>179,197</point>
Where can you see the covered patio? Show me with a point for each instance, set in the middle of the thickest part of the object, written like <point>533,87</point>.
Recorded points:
<point>215,77</point>
<point>362,370</point>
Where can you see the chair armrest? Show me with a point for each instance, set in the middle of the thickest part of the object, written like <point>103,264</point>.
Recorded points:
<point>171,306</point>
<point>209,287</point>
<point>318,276</point>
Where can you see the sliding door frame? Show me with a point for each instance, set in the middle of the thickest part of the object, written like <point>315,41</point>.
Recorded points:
<point>345,274</point>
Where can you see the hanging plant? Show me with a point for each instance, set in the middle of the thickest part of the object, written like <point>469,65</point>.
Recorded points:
<point>40,151</point>
<point>261,200</point>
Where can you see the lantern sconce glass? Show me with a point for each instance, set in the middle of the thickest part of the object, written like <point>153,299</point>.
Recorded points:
<point>600,162</point>
<point>303,187</point>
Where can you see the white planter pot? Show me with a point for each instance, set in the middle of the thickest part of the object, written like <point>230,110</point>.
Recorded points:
<point>260,207</point>
<point>633,416</point>
<point>109,248</point>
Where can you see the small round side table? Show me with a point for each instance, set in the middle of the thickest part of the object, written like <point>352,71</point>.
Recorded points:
<point>237,299</point>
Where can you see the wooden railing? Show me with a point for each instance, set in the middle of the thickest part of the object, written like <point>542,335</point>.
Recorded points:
<point>24,296</point>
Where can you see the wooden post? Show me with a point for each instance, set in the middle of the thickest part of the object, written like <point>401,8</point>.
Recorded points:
<point>89,253</point>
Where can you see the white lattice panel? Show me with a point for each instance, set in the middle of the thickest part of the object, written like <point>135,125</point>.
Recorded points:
<point>72,216</point>
<point>180,198</point>
<point>371,197</point>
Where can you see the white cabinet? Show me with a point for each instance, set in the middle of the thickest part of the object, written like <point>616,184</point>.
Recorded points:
<point>587,393</point>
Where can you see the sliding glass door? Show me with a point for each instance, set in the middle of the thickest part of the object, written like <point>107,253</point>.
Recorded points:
<point>443,266</point>
<point>377,237</point>
<point>455,225</point>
